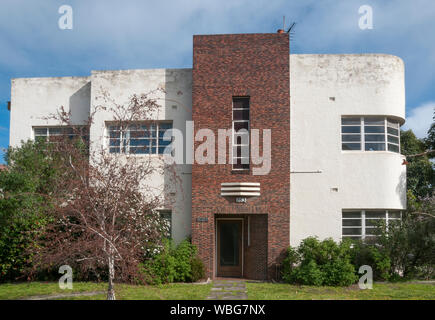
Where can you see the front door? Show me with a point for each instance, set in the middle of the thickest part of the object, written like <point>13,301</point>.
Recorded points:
<point>229,248</point>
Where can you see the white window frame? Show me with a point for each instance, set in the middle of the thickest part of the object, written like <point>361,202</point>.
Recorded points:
<point>127,137</point>
<point>363,133</point>
<point>47,130</point>
<point>363,218</point>
<point>234,144</point>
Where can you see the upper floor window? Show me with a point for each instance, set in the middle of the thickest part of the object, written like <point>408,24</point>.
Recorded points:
<point>361,224</point>
<point>240,133</point>
<point>370,134</point>
<point>55,134</point>
<point>139,138</point>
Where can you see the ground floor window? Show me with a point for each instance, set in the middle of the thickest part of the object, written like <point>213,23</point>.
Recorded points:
<point>361,224</point>
<point>167,216</point>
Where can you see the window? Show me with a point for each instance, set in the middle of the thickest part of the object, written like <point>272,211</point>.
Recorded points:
<point>167,216</point>
<point>360,224</point>
<point>53,134</point>
<point>370,134</point>
<point>240,133</point>
<point>139,138</point>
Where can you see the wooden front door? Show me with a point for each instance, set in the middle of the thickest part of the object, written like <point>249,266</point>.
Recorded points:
<point>229,248</point>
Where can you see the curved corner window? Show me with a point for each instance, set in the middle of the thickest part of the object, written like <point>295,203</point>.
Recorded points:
<point>370,134</point>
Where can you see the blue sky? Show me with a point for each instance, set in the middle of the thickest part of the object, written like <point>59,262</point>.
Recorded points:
<point>132,34</point>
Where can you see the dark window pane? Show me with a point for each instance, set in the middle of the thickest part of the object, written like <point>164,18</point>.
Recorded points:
<point>241,114</point>
<point>241,125</point>
<point>351,137</point>
<point>394,214</point>
<point>350,121</point>
<point>375,214</point>
<point>374,129</point>
<point>393,123</point>
<point>375,137</point>
<point>393,131</point>
<point>351,214</point>
<point>55,131</point>
<point>352,222</point>
<point>139,142</point>
<point>241,102</point>
<point>351,231</point>
<point>374,121</point>
<point>375,146</point>
<point>393,139</point>
<point>41,131</point>
<point>350,129</point>
<point>351,146</point>
<point>114,142</point>
<point>393,147</point>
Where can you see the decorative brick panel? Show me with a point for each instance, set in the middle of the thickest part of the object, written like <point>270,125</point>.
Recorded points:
<point>254,65</point>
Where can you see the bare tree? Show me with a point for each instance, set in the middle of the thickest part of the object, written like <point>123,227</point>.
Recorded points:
<point>105,208</point>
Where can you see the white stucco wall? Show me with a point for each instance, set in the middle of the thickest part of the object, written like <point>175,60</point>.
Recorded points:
<point>176,104</point>
<point>33,99</point>
<point>369,84</point>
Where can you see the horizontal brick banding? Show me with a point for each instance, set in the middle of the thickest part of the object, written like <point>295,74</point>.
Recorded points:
<point>254,65</point>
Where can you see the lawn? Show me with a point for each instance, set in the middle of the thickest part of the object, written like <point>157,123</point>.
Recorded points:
<point>256,291</point>
<point>179,291</point>
<point>380,291</point>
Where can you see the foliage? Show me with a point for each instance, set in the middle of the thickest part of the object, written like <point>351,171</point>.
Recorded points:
<point>174,264</point>
<point>319,263</point>
<point>25,184</point>
<point>420,170</point>
<point>370,254</point>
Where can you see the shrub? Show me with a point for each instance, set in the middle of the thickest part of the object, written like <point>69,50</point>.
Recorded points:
<point>319,263</point>
<point>174,264</point>
<point>198,271</point>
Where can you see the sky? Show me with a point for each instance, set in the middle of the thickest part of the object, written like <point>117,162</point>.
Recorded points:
<point>140,34</point>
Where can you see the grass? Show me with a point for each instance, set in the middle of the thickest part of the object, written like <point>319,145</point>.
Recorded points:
<point>380,291</point>
<point>27,289</point>
<point>256,291</point>
<point>179,291</point>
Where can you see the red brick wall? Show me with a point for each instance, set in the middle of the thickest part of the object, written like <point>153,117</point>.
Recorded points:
<point>254,65</point>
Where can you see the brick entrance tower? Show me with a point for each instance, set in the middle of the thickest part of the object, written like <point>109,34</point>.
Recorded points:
<point>252,68</point>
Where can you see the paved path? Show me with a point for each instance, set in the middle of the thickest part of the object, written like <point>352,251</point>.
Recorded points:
<point>228,290</point>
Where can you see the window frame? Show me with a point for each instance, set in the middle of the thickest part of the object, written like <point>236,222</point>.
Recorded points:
<point>233,134</point>
<point>363,217</point>
<point>125,149</point>
<point>48,135</point>
<point>166,214</point>
<point>362,133</point>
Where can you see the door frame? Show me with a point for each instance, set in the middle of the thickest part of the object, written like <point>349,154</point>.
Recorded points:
<point>216,243</point>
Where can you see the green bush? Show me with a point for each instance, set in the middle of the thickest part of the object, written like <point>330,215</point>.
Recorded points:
<point>319,263</point>
<point>373,255</point>
<point>174,264</point>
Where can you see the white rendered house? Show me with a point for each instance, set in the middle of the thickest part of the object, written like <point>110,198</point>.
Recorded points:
<point>345,117</point>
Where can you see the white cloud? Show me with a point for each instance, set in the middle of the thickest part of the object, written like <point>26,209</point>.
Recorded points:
<point>420,119</point>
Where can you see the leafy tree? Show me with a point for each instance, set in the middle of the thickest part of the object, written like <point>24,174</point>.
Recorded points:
<point>420,170</point>
<point>25,184</point>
